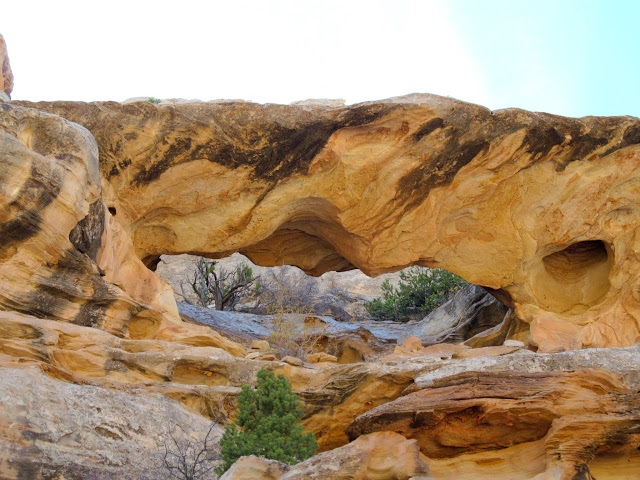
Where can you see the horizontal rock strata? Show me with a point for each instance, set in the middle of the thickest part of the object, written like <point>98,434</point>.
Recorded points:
<point>564,418</point>
<point>506,406</point>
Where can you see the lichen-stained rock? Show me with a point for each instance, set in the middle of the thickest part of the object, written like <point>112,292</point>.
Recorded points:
<point>541,208</point>
<point>52,429</point>
<point>6,75</point>
<point>577,414</point>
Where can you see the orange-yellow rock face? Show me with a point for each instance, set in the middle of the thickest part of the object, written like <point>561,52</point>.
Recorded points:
<point>378,456</point>
<point>540,207</point>
<point>62,255</point>
<point>564,419</point>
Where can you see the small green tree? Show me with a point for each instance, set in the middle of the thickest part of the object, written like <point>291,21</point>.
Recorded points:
<point>420,290</point>
<point>267,425</point>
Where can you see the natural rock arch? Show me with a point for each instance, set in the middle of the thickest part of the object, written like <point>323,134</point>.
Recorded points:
<point>529,204</point>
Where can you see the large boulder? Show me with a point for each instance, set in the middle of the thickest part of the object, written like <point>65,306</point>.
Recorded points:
<point>54,429</point>
<point>379,456</point>
<point>471,311</point>
<point>255,468</point>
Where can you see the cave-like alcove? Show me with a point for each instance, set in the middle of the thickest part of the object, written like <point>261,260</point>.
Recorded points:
<point>574,279</point>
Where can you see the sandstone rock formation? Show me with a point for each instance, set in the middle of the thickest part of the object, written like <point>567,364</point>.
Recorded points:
<point>379,456</point>
<point>97,369</point>
<point>196,376</point>
<point>383,455</point>
<point>54,429</point>
<point>564,420</point>
<point>6,75</point>
<point>472,311</point>
<point>62,254</point>
<point>600,410</point>
<point>255,468</point>
<point>543,209</point>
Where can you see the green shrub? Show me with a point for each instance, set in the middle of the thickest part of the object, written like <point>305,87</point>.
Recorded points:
<point>267,425</point>
<point>153,100</point>
<point>420,290</point>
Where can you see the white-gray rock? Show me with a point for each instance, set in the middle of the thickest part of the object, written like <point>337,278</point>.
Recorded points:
<point>54,429</point>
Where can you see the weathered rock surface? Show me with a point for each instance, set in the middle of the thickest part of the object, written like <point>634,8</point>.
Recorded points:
<point>62,254</point>
<point>255,468</point>
<point>350,342</point>
<point>541,208</point>
<point>6,75</point>
<point>202,378</point>
<point>563,418</point>
<point>53,429</point>
<point>379,456</point>
<point>198,377</point>
<point>470,312</point>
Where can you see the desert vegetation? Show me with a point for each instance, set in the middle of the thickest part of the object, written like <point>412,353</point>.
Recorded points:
<point>419,291</point>
<point>267,424</point>
<point>223,288</point>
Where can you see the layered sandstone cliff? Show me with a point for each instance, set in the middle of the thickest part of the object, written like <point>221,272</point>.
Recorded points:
<point>77,399</point>
<point>62,254</point>
<point>98,372</point>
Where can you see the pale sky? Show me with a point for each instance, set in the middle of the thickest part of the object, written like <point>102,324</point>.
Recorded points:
<point>571,57</point>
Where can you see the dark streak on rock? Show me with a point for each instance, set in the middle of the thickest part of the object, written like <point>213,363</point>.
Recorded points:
<point>439,169</point>
<point>86,236</point>
<point>36,194</point>
<point>631,136</point>
<point>539,141</point>
<point>75,280</point>
<point>427,128</point>
<point>274,150</point>
<point>585,144</point>
<point>118,167</point>
<point>582,472</point>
